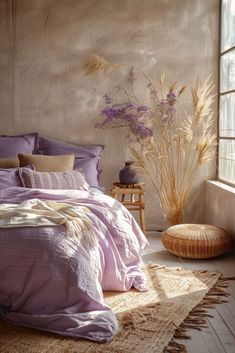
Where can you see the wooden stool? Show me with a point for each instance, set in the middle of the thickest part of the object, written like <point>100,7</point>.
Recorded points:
<point>125,193</point>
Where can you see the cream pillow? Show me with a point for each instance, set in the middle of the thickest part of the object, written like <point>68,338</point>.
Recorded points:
<point>44,163</point>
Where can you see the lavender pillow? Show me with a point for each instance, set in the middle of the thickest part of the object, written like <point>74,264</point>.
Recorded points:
<point>71,179</point>
<point>86,157</point>
<point>10,177</point>
<point>10,146</point>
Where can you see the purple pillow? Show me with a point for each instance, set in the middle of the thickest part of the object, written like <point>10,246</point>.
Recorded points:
<point>10,177</point>
<point>70,179</point>
<point>86,157</point>
<point>10,146</point>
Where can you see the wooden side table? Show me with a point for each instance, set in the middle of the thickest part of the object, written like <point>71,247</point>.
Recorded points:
<point>126,193</point>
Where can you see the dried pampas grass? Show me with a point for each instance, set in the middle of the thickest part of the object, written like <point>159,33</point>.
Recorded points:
<point>95,63</point>
<point>173,156</point>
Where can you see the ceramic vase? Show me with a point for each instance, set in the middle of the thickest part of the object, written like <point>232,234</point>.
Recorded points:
<point>127,175</point>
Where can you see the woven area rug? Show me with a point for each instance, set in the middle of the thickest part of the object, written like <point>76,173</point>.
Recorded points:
<point>177,299</point>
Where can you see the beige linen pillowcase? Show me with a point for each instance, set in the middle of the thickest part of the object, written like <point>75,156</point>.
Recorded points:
<point>44,163</point>
<point>9,163</point>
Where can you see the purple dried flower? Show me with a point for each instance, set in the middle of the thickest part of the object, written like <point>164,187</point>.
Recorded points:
<point>125,114</point>
<point>171,110</point>
<point>107,99</point>
<point>141,130</point>
<point>163,103</point>
<point>142,108</point>
<point>109,112</point>
<point>171,98</point>
<point>165,119</point>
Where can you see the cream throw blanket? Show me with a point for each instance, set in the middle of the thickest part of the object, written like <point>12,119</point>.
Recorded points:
<point>36,213</point>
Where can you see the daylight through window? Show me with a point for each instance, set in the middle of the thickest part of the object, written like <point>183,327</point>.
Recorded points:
<point>226,164</point>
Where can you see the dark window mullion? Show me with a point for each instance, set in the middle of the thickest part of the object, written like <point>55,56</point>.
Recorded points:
<point>226,138</point>
<point>218,101</point>
<point>227,92</point>
<point>220,94</point>
<point>219,121</point>
<point>227,50</point>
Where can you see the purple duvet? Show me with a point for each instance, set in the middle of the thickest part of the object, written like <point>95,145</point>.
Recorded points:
<point>53,282</point>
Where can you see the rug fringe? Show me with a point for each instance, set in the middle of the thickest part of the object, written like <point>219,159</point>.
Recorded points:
<point>196,319</point>
<point>175,347</point>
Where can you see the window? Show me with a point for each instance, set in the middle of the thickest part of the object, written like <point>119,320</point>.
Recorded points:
<point>226,163</point>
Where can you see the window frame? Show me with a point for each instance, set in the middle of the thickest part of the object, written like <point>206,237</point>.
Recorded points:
<point>220,94</point>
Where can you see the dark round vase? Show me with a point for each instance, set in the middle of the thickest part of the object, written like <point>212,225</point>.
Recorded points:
<point>127,175</point>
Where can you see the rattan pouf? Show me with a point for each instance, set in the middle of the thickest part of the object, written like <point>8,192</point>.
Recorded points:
<point>196,241</point>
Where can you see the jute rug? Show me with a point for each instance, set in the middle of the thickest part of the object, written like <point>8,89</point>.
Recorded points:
<point>149,322</point>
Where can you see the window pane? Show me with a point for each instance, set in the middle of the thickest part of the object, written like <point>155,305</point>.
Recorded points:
<point>227,75</point>
<point>227,115</point>
<point>227,160</point>
<point>227,24</point>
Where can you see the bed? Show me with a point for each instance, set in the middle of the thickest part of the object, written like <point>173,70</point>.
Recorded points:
<point>53,270</point>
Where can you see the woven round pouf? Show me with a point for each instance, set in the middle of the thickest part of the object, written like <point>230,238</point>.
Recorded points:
<point>196,241</point>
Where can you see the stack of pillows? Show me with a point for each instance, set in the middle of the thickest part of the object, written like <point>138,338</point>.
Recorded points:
<point>33,161</point>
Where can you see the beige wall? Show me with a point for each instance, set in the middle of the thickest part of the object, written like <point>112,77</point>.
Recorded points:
<point>220,206</point>
<point>6,69</point>
<point>42,86</point>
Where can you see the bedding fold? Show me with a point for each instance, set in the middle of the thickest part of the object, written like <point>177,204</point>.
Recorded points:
<point>55,282</point>
<point>38,213</point>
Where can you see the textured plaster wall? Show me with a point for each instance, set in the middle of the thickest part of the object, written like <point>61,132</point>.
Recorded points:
<point>43,45</point>
<point>220,205</point>
<point>6,68</point>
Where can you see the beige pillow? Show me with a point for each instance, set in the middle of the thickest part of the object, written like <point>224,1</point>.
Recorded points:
<point>44,163</point>
<point>9,162</point>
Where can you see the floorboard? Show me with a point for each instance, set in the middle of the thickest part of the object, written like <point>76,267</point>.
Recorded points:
<point>219,336</point>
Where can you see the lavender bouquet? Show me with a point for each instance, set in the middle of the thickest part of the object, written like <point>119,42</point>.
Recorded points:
<point>126,114</point>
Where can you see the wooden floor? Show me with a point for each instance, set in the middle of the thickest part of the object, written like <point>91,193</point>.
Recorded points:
<point>219,337</point>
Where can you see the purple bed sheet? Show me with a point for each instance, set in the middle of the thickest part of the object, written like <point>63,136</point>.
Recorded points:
<point>55,283</point>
